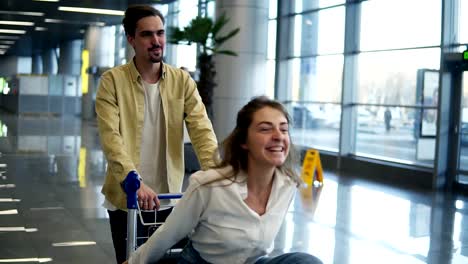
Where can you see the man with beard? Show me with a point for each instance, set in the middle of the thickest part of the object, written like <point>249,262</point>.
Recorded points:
<point>141,109</point>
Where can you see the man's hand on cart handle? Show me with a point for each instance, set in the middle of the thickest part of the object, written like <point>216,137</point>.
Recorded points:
<point>147,198</point>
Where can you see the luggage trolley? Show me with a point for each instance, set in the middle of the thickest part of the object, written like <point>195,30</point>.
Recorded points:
<point>131,184</point>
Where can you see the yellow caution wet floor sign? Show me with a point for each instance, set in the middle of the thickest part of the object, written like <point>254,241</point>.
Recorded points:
<point>312,166</point>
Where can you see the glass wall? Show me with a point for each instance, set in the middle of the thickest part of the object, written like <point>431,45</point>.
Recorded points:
<point>395,64</point>
<point>389,109</point>
<point>179,15</point>
<point>312,56</point>
<point>463,15</point>
<point>393,50</point>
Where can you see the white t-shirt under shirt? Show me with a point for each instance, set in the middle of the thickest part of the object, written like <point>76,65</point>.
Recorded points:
<point>153,168</point>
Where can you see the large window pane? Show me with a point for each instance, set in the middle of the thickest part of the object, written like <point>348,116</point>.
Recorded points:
<point>320,78</point>
<point>211,6</point>
<point>390,77</point>
<point>390,24</point>
<point>316,90</point>
<point>318,33</point>
<point>164,9</point>
<point>187,56</point>
<point>183,11</point>
<point>272,8</point>
<point>391,138</point>
<point>315,78</point>
<point>315,124</point>
<point>305,5</point>
<point>331,30</point>
<point>463,22</point>
<point>186,15</point>
<point>271,48</point>
<point>188,5</point>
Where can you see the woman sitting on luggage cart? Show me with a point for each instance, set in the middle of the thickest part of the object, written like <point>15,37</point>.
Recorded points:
<point>233,212</point>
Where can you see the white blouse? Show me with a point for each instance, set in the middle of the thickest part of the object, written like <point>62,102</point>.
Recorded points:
<point>221,226</point>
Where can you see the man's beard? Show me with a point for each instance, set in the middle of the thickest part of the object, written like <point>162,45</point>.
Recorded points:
<point>156,59</point>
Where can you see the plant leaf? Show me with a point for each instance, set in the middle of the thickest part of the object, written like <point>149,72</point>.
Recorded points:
<point>199,29</point>
<point>177,36</point>
<point>220,22</point>
<point>222,39</point>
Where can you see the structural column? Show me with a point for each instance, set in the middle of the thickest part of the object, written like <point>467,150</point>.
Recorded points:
<point>49,62</point>
<point>36,64</point>
<point>350,83</point>
<point>100,42</point>
<point>70,57</point>
<point>242,77</point>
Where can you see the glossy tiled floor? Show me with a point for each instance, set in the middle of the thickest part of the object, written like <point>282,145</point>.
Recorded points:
<point>50,195</point>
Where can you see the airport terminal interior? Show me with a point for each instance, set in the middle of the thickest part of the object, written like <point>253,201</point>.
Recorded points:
<point>378,87</point>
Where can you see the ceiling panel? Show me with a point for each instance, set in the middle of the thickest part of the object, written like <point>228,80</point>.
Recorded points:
<point>34,42</point>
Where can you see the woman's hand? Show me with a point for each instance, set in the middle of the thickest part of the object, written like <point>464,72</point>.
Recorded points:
<point>126,262</point>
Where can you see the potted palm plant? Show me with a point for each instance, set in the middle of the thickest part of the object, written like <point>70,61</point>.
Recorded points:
<point>206,33</point>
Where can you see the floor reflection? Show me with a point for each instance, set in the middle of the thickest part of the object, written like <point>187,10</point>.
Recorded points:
<point>55,170</point>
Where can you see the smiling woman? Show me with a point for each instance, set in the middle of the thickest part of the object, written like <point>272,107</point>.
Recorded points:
<point>233,212</point>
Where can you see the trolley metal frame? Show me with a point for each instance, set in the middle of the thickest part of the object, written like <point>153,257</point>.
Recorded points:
<point>131,184</point>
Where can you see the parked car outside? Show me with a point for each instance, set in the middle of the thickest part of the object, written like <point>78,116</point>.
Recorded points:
<point>302,117</point>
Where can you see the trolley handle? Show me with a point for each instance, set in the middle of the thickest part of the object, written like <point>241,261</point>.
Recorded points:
<point>162,196</point>
<point>131,184</point>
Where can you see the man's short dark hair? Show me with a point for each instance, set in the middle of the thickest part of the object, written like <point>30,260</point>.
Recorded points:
<point>136,12</point>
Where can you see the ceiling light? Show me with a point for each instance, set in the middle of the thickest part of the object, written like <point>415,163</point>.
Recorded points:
<point>7,186</point>
<point>4,46</point>
<point>9,37</point>
<point>22,13</point>
<point>46,0</point>
<point>51,20</point>
<point>9,42</point>
<point>40,29</point>
<point>17,229</point>
<point>92,10</point>
<point>2,52</point>
<point>12,31</point>
<point>16,23</point>
<point>61,21</point>
<point>6,200</point>
<point>38,260</point>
